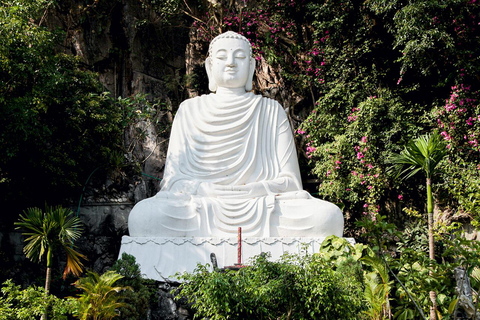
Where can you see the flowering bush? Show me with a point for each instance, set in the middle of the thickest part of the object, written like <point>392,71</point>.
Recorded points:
<point>364,77</point>
<point>459,123</point>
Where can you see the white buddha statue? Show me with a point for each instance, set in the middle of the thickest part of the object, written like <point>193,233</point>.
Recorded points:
<point>231,163</point>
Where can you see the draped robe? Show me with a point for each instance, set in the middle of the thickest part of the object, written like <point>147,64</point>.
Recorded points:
<point>242,141</point>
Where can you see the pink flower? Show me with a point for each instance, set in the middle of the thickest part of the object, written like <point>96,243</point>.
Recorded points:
<point>400,197</point>
<point>369,187</point>
<point>364,140</point>
<point>365,205</point>
<point>445,135</point>
<point>359,155</point>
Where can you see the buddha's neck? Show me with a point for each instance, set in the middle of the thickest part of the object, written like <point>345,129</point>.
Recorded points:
<point>229,92</point>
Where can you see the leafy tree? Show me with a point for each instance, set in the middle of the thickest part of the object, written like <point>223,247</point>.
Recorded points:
<point>100,298</point>
<point>47,232</point>
<point>56,124</point>
<point>422,154</point>
<point>17,304</point>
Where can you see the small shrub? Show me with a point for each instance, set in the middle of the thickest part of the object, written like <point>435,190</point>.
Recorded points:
<point>31,303</point>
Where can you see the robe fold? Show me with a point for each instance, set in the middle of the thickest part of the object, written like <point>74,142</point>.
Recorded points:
<point>242,141</point>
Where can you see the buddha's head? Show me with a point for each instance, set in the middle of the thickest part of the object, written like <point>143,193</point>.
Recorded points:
<point>230,63</point>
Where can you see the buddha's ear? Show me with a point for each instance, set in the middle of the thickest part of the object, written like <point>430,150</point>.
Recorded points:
<point>212,85</point>
<point>251,72</point>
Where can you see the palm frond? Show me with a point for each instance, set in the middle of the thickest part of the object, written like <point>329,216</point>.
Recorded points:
<point>53,229</point>
<point>74,265</point>
<point>421,154</point>
<point>100,299</point>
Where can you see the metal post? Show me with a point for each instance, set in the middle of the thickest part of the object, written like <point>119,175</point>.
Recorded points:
<point>239,246</point>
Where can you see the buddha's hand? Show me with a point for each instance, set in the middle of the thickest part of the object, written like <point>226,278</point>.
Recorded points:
<point>249,190</point>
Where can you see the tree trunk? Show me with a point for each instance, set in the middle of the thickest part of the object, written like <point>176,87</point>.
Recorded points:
<point>48,278</point>
<point>433,294</point>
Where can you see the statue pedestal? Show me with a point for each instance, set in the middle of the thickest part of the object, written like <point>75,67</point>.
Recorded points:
<point>161,257</point>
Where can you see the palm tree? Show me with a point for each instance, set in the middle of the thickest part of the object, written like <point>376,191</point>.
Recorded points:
<point>100,299</point>
<point>422,154</point>
<point>46,232</point>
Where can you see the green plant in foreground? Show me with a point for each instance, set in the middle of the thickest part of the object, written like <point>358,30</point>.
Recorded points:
<point>422,154</point>
<point>17,304</point>
<point>100,298</point>
<point>317,286</point>
<point>56,228</point>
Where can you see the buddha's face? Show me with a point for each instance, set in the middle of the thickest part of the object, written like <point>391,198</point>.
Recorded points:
<point>230,62</point>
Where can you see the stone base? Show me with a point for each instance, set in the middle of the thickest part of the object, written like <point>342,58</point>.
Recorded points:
<point>160,258</point>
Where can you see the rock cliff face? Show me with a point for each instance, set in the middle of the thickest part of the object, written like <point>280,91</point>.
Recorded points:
<point>134,51</point>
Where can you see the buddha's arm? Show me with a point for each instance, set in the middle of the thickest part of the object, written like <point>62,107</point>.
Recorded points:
<point>289,178</point>
<point>287,152</point>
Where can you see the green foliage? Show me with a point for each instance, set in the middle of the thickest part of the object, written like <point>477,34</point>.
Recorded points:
<point>31,303</point>
<point>56,123</point>
<point>384,67</point>
<point>465,254</point>
<point>100,299</point>
<point>143,290</point>
<point>458,122</point>
<point>421,154</point>
<point>295,287</point>
<point>47,232</point>
<point>359,116</point>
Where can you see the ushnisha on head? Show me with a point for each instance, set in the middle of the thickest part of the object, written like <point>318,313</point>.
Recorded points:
<point>230,63</point>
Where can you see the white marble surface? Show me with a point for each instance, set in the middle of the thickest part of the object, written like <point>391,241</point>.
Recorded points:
<point>161,257</point>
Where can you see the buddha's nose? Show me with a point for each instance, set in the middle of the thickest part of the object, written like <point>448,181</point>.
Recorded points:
<point>231,62</point>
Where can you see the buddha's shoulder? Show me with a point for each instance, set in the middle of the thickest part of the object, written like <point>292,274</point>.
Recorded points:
<point>206,99</point>
<point>192,101</point>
